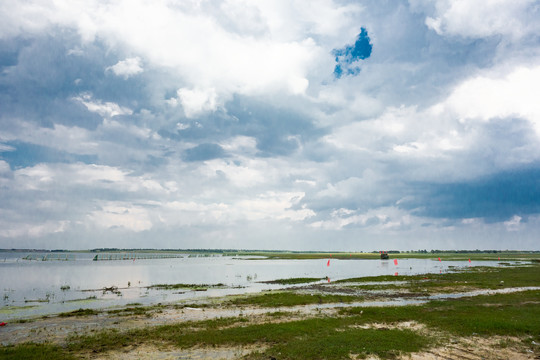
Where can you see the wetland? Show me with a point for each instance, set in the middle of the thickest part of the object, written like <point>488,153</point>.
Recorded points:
<point>485,311</point>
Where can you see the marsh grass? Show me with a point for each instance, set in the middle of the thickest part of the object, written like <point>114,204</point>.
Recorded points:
<point>514,314</point>
<point>328,338</point>
<point>113,339</point>
<point>279,299</point>
<point>136,310</point>
<point>338,337</point>
<point>185,286</point>
<point>343,344</point>
<point>472,278</point>
<point>34,352</point>
<point>79,312</point>
<point>131,309</point>
<point>293,281</point>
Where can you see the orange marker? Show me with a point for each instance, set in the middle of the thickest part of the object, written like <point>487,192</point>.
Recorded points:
<point>395,261</point>
<point>439,259</point>
<point>328,263</point>
<point>396,274</point>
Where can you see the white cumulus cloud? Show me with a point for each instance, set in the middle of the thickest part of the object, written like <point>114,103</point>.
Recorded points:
<point>127,68</point>
<point>106,109</point>
<point>479,18</point>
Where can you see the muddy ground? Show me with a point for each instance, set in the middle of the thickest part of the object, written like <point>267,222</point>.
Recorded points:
<point>57,330</point>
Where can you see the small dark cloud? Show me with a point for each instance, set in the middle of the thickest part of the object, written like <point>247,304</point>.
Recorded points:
<point>348,56</point>
<point>204,152</point>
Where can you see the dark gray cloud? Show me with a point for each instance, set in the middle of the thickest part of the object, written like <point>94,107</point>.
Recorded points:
<point>203,152</point>
<point>496,197</point>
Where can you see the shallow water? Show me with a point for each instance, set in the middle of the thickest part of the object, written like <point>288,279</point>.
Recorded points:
<point>41,287</point>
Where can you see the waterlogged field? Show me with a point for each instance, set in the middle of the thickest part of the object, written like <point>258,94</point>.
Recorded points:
<point>35,287</point>
<point>479,311</point>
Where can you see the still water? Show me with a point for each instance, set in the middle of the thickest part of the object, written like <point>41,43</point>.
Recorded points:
<point>31,287</point>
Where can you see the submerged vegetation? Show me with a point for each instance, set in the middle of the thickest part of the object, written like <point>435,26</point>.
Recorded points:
<point>293,281</point>
<point>195,287</point>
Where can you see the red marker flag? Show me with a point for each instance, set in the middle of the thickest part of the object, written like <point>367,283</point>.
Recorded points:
<point>469,260</point>
<point>439,259</point>
<point>328,263</point>
<point>396,274</point>
<point>395,261</point>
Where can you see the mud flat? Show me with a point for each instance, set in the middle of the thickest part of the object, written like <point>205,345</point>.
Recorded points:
<point>477,313</point>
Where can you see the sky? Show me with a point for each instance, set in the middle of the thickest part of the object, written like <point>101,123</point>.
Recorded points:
<point>283,124</point>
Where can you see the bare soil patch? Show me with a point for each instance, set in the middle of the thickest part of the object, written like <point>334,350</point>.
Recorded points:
<point>146,352</point>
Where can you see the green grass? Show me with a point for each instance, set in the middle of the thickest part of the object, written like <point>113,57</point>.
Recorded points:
<point>514,314</point>
<point>285,298</point>
<point>185,286</point>
<point>113,339</point>
<point>337,337</point>
<point>315,338</point>
<point>126,311</point>
<point>293,281</point>
<point>472,278</point>
<point>341,344</point>
<point>135,310</point>
<point>80,312</point>
<point>319,338</point>
<point>34,352</point>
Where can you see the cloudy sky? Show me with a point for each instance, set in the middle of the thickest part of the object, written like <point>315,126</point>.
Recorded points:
<point>282,124</point>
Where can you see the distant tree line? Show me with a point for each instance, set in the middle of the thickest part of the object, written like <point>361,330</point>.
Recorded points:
<point>477,251</point>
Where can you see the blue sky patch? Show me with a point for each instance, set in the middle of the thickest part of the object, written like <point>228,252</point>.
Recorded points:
<point>347,57</point>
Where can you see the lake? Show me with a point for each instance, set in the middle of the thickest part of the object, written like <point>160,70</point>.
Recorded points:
<point>31,287</point>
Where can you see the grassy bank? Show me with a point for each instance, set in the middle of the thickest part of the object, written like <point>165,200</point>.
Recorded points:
<point>280,299</point>
<point>463,280</point>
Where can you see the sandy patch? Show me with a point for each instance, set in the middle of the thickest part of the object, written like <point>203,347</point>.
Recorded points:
<point>405,325</point>
<point>476,348</point>
<point>148,352</point>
